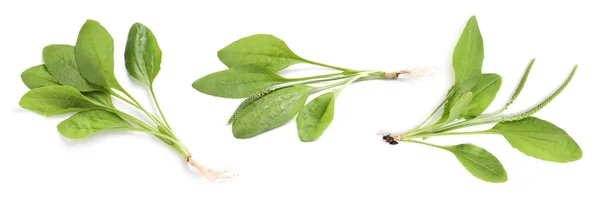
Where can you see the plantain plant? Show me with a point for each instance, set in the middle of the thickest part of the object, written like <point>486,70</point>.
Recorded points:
<point>80,79</point>
<point>470,96</point>
<point>272,100</point>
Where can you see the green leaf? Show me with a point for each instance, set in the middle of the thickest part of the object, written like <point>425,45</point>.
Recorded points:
<point>270,111</point>
<point>468,57</point>
<point>237,82</point>
<point>249,101</point>
<point>315,117</point>
<point>455,107</point>
<point>479,162</point>
<point>142,54</point>
<point>262,50</point>
<point>484,93</point>
<point>94,53</point>
<point>540,139</point>
<point>86,123</point>
<point>38,76</point>
<point>55,100</point>
<point>99,97</point>
<point>60,62</point>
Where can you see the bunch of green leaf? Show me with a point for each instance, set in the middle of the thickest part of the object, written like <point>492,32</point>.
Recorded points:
<point>272,100</point>
<point>465,102</point>
<point>80,79</point>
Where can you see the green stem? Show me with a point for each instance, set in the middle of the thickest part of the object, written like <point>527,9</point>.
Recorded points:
<point>465,125</point>
<point>320,80</point>
<point>425,143</point>
<point>131,118</point>
<point>498,112</point>
<point>320,88</point>
<point>338,91</point>
<point>315,77</point>
<point>158,107</point>
<point>124,99</point>
<point>328,66</point>
<point>182,150</point>
<point>365,75</point>
<point>414,130</point>
<point>152,117</point>
<point>427,135</point>
<point>355,78</point>
<point>176,142</point>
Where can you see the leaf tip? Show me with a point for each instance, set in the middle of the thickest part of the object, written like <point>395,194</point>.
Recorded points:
<point>473,19</point>
<point>91,21</point>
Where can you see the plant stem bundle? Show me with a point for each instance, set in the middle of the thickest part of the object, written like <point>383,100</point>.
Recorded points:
<point>272,100</point>
<point>464,104</point>
<point>80,79</point>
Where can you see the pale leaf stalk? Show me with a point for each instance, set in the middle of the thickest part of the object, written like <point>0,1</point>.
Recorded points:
<point>361,75</point>
<point>425,143</point>
<point>328,66</point>
<point>139,106</point>
<point>180,148</point>
<point>465,125</point>
<point>415,130</point>
<point>162,115</point>
<point>312,81</point>
<point>157,134</point>
<point>428,135</point>
<point>315,77</point>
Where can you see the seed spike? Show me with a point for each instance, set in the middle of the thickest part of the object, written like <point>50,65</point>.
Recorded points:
<point>543,103</point>
<point>521,85</point>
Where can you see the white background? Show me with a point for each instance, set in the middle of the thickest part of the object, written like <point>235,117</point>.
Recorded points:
<point>349,160</point>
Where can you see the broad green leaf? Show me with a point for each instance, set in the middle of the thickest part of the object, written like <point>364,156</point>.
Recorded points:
<point>540,139</point>
<point>270,111</point>
<point>468,57</point>
<point>479,162</point>
<point>55,100</point>
<point>86,123</point>
<point>456,106</point>
<point>484,93</point>
<point>248,101</point>
<point>38,76</point>
<point>94,53</point>
<point>459,107</point>
<point>237,82</point>
<point>60,62</point>
<point>315,117</point>
<point>142,54</point>
<point>99,97</point>
<point>262,50</point>
<point>449,101</point>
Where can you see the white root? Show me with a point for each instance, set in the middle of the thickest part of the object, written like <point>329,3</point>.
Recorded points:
<point>413,73</point>
<point>211,175</point>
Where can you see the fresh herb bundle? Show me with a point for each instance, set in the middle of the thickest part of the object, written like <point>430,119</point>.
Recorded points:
<point>272,100</point>
<point>464,104</point>
<point>80,79</point>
